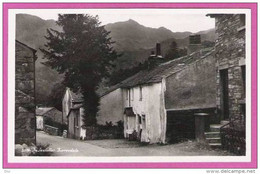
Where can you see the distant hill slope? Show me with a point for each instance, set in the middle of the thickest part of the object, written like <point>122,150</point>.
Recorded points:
<point>137,41</point>
<point>31,31</point>
<point>131,36</point>
<point>134,40</point>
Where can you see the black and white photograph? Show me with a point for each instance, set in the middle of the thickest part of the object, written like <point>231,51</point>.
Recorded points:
<point>130,83</point>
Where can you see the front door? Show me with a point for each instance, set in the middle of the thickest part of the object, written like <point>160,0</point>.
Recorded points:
<point>224,94</point>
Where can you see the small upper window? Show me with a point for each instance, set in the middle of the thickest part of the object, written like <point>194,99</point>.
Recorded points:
<point>243,69</point>
<point>243,19</point>
<point>132,96</point>
<point>141,93</point>
<point>126,94</point>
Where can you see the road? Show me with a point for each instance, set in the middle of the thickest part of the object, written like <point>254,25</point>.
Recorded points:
<point>70,147</point>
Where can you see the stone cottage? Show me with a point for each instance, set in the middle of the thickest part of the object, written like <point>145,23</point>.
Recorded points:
<point>202,91</point>
<point>72,114</point>
<point>24,93</point>
<point>230,64</point>
<point>108,111</point>
<point>50,113</point>
<point>230,55</point>
<point>154,100</point>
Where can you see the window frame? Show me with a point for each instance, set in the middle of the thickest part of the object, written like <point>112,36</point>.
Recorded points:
<point>140,93</point>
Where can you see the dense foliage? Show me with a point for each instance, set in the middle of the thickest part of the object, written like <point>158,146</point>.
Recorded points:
<point>82,52</point>
<point>175,52</point>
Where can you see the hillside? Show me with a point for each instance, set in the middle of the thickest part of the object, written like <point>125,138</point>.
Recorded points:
<point>133,40</point>
<point>131,36</point>
<point>31,31</point>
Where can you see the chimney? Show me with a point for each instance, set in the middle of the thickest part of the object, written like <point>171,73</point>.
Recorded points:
<point>194,43</point>
<point>155,58</point>
<point>158,49</point>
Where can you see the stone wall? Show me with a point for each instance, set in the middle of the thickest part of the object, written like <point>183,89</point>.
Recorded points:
<point>111,107</point>
<point>194,86</point>
<point>230,55</point>
<point>24,94</point>
<point>104,132</point>
<point>51,130</point>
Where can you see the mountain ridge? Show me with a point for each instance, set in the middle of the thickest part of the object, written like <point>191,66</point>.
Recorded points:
<point>131,38</point>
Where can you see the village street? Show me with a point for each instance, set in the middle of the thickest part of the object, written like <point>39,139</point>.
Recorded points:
<point>71,147</point>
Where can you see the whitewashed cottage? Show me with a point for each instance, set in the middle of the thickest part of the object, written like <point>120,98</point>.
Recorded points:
<point>72,113</point>
<point>153,100</point>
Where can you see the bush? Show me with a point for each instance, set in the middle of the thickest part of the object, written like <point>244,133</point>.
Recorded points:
<point>108,131</point>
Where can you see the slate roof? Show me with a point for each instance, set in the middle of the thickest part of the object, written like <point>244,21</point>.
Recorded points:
<point>164,70</point>
<point>120,84</point>
<point>156,74</point>
<point>26,46</point>
<point>42,111</point>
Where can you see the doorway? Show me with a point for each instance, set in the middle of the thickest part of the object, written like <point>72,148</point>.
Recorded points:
<point>224,94</point>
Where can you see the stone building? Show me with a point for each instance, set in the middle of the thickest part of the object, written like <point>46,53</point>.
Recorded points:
<point>230,64</point>
<point>72,114</point>
<point>230,55</point>
<point>50,113</point>
<point>159,103</point>
<point>24,94</point>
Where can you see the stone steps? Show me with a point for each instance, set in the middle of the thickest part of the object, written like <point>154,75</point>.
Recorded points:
<point>212,134</point>
<point>215,127</point>
<point>214,140</point>
<point>224,122</point>
<point>215,145</point>
<point>213,137</point>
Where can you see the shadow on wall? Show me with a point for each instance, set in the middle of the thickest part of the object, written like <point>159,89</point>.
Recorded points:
<point>181,124</point>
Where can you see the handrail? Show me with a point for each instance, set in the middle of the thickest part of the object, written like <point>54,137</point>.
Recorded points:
<point>228,123</point>
<point>233,139</point>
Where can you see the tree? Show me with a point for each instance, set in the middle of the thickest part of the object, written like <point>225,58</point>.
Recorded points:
<point>83,52</point>
<point>55,97</point>
<point>175,52</point>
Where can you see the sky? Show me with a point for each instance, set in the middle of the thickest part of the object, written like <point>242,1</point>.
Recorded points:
<point>173,19</point>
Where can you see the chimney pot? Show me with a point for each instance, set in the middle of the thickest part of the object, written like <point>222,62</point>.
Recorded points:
<point>195,43</point>
<point>195,39</point>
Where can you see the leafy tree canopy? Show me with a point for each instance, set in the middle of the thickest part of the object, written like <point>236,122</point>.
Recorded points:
<point>175,52</point>
<point>83,52</point>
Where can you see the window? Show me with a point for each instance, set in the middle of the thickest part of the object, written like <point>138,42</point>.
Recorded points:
<point>243,19</point>
<point>243,104</point>
<point>139,119</point>
<point>132,96</point>
<point>144,123</point>
<point>141,93</point>
<point>126,93</point>
<point>242,25</point>
<point>243,70</point>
